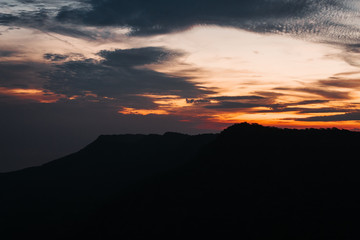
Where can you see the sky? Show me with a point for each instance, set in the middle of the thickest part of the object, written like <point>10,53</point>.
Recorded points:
<point>71,70</point>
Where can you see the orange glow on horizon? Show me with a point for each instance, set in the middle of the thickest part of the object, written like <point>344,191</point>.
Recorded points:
<point>144,112</point>
<point>38,95</point>
<point>348,125</point>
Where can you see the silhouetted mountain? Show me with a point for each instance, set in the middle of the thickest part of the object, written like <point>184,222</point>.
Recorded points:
<point>248,182</point>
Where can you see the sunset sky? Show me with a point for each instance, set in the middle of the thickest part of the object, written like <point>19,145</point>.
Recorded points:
<point>72,70</point>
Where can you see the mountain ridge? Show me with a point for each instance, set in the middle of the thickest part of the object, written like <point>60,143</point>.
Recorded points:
<point>249,180</point>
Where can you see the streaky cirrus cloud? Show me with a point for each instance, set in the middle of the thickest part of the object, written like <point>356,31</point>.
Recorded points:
<point>7,53</point>
<point>341,83</point>
<point>351,116</point>
<point>329,94</point>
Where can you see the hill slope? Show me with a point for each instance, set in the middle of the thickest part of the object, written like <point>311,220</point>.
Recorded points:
<point>250,181</point>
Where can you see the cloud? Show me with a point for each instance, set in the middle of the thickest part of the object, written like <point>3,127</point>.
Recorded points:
<point>7,53</point>
<point>341,83</point>
<point>323,110</point>
<point>265,104</point>
<point>137,56</point>
<point>224,98</point>
<point>6,19</point>
<point>329,94</point>
<point>229,103</point>
<point>323,21</point>
<point>284,106</point>
<point>229,98</point>
<point>305,110</point>
<point>55,57</point>
<point>22,74</point>
<point>160,16</point>
<point>121,75</point>
<point>67,30</point>
<point>40,15</point>
<point>197,101</point>
<point>120,78</point>
<point>352,116</point>
<point>326,21</point>
<point>233,105</point>
<point>307,102</point>
<point>288,107</point>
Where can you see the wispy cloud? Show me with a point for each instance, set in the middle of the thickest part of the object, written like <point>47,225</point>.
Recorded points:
<point>352,116</point>
<point>341,83</point>
<point>7,53</point>
<point>329,94</point>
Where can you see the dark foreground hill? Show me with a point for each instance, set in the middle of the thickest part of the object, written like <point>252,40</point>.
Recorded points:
<point>248,182</point>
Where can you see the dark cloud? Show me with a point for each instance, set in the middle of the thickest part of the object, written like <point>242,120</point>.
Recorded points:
<point>118,75</point>
<point>7,53</point>
<point>40,16</point>
<point>228,102</point>
<point>137,56</point>
<point>32,18</point>
<point>26,1</point>
<point>67,30</point>
<point>304,110</point>
<point>255,101</point>
<point>250,103</point>
<point>321,21</point>
<point>307,102</point>
<point>55,57</point>
<point>341,83</point>
<point>197,100</point>
<point>120,78</point>
<point>230,98</point>
<point>6,19</point>
<point>22,74</point>
<point>231,102</point>
<point>287,107</point>
<point>329,94</point>
<point>352,116</point>
<point>161,16</point>
<point>233,105</point>
<point>323,110</point>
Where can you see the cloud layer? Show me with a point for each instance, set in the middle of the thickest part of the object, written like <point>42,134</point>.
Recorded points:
<point>119,74</point>
<point>160,16</point>
<point>324,19</point>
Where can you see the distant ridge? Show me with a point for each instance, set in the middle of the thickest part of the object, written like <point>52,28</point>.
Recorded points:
<point>255,127</point>
<point>247,182</point>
